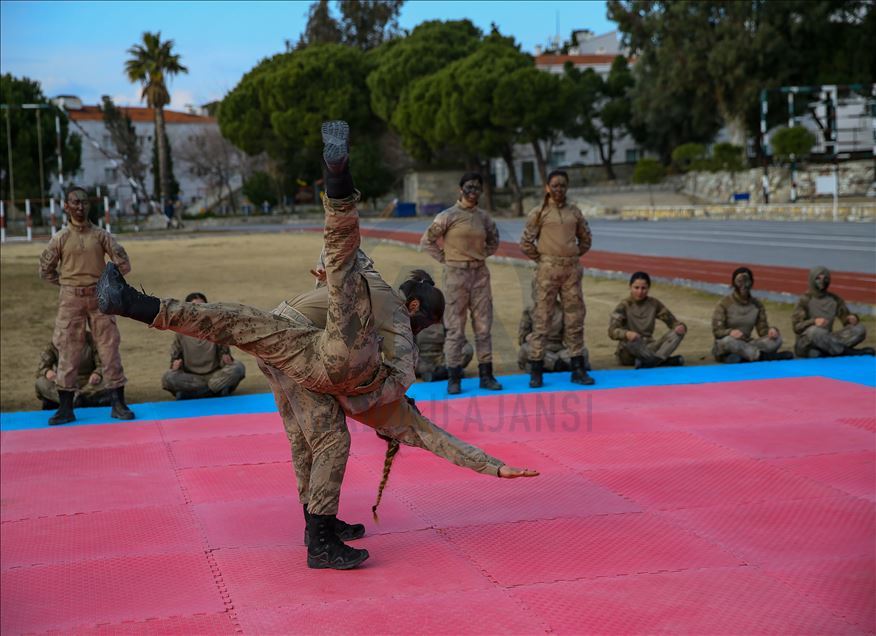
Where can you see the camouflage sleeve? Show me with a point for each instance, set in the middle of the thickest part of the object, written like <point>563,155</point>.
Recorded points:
<point>667,316</point>
<point>176,352</point>
<point>585,238</point>
<point>525,326</point>
<point>400,361</point>
<point>719,322</point>
<point>49,260</point>
<point>429,242</point>
<point>48,360</point>
<point>530,235</point>
<point>117,253</point>
<point>800,320</point>
<point>842,310</point>
<point>617,325</point>
<point>762,325</point>
<point>492,240</point>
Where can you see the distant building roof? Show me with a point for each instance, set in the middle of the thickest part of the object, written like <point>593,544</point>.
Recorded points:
<point>141,114</point>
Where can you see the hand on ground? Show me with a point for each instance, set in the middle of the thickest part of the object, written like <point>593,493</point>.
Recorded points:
<point>510,472</point>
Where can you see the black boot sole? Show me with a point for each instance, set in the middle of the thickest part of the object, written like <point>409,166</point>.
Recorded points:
<point>336,143</point>
<point>60,421</point>
<point>109,290</point>
<point>315,563</point>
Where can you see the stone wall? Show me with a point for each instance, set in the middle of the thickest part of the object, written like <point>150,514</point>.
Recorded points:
<point>772,212</point>
<point>855,179</point>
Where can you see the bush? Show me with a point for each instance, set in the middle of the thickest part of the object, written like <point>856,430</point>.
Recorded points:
<point>688,157</point>
<point>648,171</point>
<point>259,187</point>
<point>727,157</point>
<point>790,144</point>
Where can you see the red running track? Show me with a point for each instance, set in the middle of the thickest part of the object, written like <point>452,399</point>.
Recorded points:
<point>740,508</point>
<point>853,287</point>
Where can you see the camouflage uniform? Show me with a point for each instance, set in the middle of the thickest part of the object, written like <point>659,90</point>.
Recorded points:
<point>735,312</point>
<point>74,260</point>
<point>556,238</point>
<point>556,356</point>
<point>89,363</point>
<point>822,304</point>
<point>343,358</point>
<point>202,373</point>
<point>430,344</point>
<point>641,317</point>
<point>469,237</point>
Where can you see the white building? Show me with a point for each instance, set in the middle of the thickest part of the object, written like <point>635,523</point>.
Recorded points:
<point>99,169</point>
<point>590,51</point>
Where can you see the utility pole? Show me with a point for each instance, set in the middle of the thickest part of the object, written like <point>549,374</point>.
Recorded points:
<point>38,108</point>
<point>9,155</point>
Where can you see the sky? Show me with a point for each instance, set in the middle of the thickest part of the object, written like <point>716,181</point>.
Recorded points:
<point>79,48</point>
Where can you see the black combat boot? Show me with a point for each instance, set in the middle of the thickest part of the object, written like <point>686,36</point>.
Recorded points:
<point>64,414</point>
<point>674,361</point>
<point>115,297</point>
<point>48,405</point>
<point>335,154</point>
<point>536,369</point>
<point>488,381</point>
<point>863,351</point>
<point>579,373</point>
<point>343,530</point>
<point>325,550</point>
<point>778,355</point>
<point>120,409</point>
<point>454,380</point>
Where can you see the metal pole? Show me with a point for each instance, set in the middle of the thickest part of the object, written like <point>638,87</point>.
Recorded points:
<point>9,150</point>
<point>2,221</point>
<point>52,215</point>
<point>106,214</point>
<point>40,153</point>
<point>60,158</point>
<point>29,220</point>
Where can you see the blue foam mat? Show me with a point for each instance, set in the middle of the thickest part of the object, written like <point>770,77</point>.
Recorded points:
<point>861,370</point>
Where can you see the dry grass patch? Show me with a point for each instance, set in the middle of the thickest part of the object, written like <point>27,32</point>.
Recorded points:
<point>263,269</point>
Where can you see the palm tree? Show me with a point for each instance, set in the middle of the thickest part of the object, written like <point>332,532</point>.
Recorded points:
<point>152,63</point>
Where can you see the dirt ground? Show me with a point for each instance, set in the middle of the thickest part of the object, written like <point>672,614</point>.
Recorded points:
<point>261,270</point>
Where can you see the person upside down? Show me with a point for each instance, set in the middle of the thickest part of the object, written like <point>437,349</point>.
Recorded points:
<point>345,348</point>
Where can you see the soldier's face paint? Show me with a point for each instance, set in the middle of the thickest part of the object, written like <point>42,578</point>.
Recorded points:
<point>822,281</point>
<point>742,283</point>
<point>470,192</point>
<point>76,206</point>
<point>639,289</point>
<point>557,189</point>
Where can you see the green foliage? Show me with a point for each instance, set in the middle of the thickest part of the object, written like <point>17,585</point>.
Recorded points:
<point>16,91</point>
<point>726,156</point>
<point>364,24</point>
<point>259,187</point>
<point>703,64</point>
<point>398,63</point>
<point>689,156</point>
<point>152,63</point>
<point>370,174</point>
<point>279,105</point>
<point>790,144</point>
<point>603,111</point>
<point>172,183</point>
<point>648,171</point>
<point>535,103</point>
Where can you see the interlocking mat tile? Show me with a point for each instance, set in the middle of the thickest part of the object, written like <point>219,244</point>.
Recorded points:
<point>200,624</point>
<point>130,460</point>
<point>852,473</point>
<point>63,438</point>
<point>243,449</point>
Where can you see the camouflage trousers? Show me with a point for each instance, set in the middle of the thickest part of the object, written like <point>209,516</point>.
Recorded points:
<point>557,276</point>
<point>648,350</point>
<point>342,359</point>
<point>76,307</point>
<point>431,367</point>
<point>747,350</point>
<point>467,289</point>
<point>225,378</point>
<point>832,343</point>
<point>86,395</point>
<point>320,440</point>
<point>556,357</point>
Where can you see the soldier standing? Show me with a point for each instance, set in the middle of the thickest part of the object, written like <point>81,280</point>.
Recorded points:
<point>74,260</point>
<point>734,319</point>
<point>556,236</point>
<point>199,368</point>
<point>632,325</point>
<point>468,236</point>
<point>813,320</point>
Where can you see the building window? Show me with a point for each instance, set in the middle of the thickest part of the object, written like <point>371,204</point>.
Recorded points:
<point>632,155</point>
<point>111,175</point>
<point>558,157</point>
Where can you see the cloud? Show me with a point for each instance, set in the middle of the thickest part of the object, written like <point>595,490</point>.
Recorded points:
<point>181,99</point>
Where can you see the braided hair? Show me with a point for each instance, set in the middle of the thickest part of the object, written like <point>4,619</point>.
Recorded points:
<point>392,448</point>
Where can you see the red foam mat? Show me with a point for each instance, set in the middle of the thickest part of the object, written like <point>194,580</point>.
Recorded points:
<point>706,509</point>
